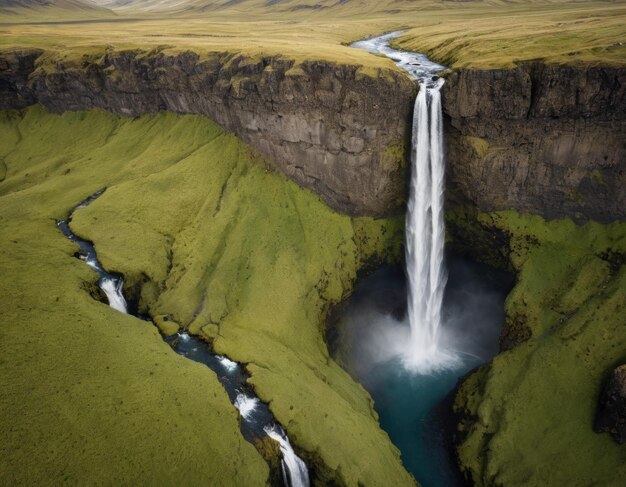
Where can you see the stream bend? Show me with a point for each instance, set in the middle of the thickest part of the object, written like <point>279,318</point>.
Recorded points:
<point>257,421</point>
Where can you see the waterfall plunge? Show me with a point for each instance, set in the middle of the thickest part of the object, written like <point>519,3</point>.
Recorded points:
<point>112,287</point>
<point>425,234</point>
<point>295,473</point>
<point>424,351</point>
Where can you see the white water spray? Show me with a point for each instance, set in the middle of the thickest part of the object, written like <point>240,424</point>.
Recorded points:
<point>113,290</point>
<point>246,405</point>
<point>295,472</point>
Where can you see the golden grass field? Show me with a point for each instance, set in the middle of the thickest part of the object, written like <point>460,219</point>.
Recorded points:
<point>466,34</point>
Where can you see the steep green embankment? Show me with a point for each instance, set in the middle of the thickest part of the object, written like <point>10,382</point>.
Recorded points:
<point>90,395</point>
<point>211,239</point>
<point>527,418</point>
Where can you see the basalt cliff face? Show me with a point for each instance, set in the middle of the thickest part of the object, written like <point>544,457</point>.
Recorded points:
<point>542,139</point>
<point>328,127</point>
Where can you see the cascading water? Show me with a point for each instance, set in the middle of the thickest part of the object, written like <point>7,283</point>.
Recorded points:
<point>112,287</point>
<point>425,230</point>
<point>257,420</point>
<point>410,365</point>
<point>294,469</point>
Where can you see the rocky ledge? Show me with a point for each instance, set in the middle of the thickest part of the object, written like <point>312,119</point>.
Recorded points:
<point>329,127</point>
<point>611,414</point>
<point>542,139</point>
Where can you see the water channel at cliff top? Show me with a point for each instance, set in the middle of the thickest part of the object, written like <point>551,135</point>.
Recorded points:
<point>445,315</point>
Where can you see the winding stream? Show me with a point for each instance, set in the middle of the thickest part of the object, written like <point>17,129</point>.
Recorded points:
<point>256,419</point>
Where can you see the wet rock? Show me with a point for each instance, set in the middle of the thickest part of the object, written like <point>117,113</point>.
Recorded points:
<point>611,414</point>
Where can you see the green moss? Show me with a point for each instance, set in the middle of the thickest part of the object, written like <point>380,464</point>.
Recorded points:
<point>256,263</point>
<point>598,177</point>
<point>478,146</point>
<point>481,240</point>
<point>394,156</point>
<point>95,396</point>
<point>165,324</point>
<point>220,246</point>
<point>529,414</point>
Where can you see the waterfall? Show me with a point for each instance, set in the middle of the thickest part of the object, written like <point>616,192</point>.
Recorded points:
<point>425,230</point>
<point>295,472</point>
<point>112,287</point>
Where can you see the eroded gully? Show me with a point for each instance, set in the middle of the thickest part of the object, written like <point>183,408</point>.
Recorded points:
<point>257,420</point>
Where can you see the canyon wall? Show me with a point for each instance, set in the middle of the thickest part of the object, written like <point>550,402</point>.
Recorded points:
<point>328,127</point>
<point>542,139</point>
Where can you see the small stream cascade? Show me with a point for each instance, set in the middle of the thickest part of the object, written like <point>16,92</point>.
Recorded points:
<point>425,228</point>
<point>257,420</point>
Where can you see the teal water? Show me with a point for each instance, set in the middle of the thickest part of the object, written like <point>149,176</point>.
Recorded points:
<point>411,407</point>
<point>407,405</point>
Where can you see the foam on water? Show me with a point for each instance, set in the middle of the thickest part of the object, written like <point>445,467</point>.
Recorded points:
<point>228,364</point>
<point>246,405</point>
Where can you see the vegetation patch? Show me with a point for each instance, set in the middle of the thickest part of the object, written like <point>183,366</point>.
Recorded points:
<point>489,34</point>
<point>207,240</point>
<point>91,395</point>
<point>528,416</point>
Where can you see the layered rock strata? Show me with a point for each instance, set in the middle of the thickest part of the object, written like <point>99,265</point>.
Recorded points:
<point>542,139</point>
<point>330,128</point>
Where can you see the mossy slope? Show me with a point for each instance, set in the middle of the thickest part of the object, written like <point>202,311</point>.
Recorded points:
<point>211,239</point>
<point>89,395</point>
<point>529,414</point>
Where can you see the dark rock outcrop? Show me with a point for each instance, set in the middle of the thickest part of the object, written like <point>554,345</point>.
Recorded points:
<point>15,68</point>
<point>329,127</point>
<point>611,414</point>
<point>539,138</point>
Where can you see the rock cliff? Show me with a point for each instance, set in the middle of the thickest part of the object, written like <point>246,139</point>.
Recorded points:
<point>330,128</point>
<point>541,139</point>
<point>611,413</point>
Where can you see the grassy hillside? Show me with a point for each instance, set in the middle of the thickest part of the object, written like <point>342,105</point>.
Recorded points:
<point>577,33</point>
<point>528,416</point>
<point>347,8</point>
<point>208,237</point>
<point>479,34</point>
<point>90,395</point>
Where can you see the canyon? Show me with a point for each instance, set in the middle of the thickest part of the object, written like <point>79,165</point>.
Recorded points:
<point>535,162</point>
